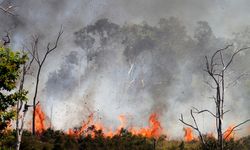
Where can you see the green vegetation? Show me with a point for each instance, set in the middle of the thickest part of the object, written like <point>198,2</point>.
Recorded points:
<point>58,140</point>
<point>10,63</point>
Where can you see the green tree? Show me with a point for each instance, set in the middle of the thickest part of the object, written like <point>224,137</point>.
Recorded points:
<point>10,64</point>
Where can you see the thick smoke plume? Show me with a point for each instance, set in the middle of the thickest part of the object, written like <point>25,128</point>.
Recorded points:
<point>147,57</point>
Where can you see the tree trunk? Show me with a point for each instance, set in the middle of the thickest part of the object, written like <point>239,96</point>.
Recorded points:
<point>19,139</point>
<point>34,101</point>
<point>20,131</point>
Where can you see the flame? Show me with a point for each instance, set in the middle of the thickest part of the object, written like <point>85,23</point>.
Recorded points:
<point>229,133</point>
<point>153,130</point>
<point>188,136</point>
<point>123,121</point>
<point>39,119</point>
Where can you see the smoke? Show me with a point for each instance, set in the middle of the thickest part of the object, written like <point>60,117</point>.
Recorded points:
<point>135,62</point>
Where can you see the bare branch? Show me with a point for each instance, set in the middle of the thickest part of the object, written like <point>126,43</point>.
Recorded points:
<point>191,112</point>
<point>7,10</point>
<point>187,124</point>
<point>205,110</point>
<point>56,43</point>
<point>236,79</point>
<point>233,129</point>
<point>210,85</point>
<point>34,51</point>
<point>49,50</point>
<point>29,64</point>
<point>217,74</point>
<point>194,127</point>
<point>232,57</point>
<point>226,112</point>
<point>212,58</point>
<point>222,59</point>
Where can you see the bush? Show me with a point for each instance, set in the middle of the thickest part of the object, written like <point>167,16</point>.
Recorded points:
<point>58,140</point>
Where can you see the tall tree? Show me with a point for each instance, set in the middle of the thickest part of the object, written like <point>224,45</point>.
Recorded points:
<point>21,107</point>
<point>40,62</point>
<point>10,64</point>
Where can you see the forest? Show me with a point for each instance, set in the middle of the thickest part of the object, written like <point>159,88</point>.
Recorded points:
<point>104,84</point>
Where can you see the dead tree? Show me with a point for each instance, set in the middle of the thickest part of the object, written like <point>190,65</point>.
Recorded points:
<point>7,8</point>
<point>216,67</point>
<point>40,61</point>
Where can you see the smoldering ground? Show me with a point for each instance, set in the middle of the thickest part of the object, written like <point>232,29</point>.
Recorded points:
<point>133,63</point>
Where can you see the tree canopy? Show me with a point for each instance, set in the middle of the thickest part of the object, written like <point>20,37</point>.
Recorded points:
<point>10,69</point>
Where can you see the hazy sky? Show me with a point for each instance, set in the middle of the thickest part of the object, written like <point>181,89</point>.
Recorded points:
<point>225,16</point>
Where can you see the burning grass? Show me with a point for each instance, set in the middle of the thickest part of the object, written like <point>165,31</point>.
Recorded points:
<point>94,135</point>
<point>153,130</point>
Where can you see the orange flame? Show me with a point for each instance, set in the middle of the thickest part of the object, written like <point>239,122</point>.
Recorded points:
<point>153,130</point>
<point>229,133</point>
<point>84,127</point>
<point>188,136</point>
<point>39,119</point>
<point>123,121</point>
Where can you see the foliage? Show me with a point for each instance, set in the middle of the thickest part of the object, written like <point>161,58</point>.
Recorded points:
<point>58,140</point>
<point>10,64</point>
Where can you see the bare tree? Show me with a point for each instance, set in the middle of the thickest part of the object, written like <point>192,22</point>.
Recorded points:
<point>40,61</point>
<point>216,67</point>
<point>7,8</point>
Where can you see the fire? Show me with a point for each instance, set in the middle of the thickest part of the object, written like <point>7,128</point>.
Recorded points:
<point>153,130</point>
<point>39,119</point>
<point>89,127</point>
<point>84,127</point>
<point>123,121</point>
<point>188,134</point>
<point>229,133</point>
